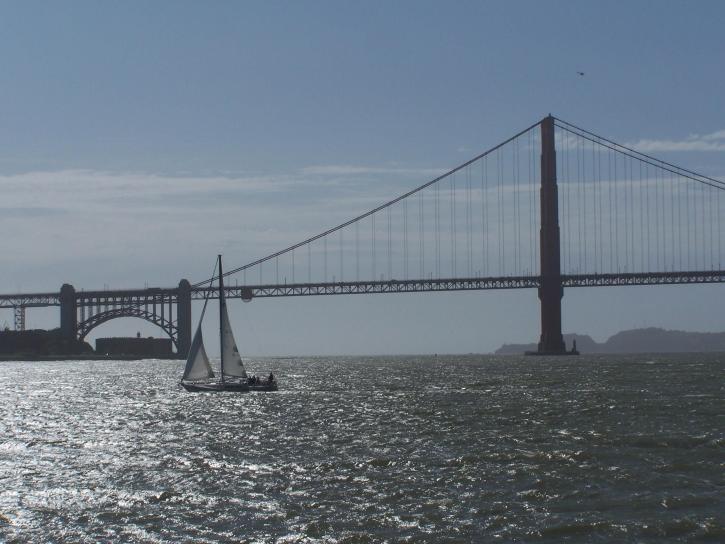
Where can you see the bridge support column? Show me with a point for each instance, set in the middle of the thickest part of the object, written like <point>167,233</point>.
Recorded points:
<point>183,313</point>
<point>551,290</point>
<point>68,312</point>
<point>19,317</point>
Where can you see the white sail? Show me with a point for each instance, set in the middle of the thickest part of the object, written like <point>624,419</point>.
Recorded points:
<point>232,361</point>
<point>197,363</point>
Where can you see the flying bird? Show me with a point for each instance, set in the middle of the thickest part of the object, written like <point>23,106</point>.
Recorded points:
<point>580,73</point>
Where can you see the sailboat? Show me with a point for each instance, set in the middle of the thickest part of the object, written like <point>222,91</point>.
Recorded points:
<point>198,373</point>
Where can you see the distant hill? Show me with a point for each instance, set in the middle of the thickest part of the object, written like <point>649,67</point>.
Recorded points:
<point>650,340</point>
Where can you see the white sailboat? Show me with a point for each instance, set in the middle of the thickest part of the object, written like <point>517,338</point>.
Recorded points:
<point>198,373</point>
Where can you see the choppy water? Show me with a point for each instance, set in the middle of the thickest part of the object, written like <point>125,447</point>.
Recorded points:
<point>418,449</point>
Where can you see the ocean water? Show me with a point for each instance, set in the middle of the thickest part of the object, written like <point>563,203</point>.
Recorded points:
<point>380,449</point>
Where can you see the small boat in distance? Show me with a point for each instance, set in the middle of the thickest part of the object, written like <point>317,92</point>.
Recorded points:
<point>198,373</point>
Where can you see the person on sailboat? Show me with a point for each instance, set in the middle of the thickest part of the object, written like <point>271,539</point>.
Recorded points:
<point>271,377</point>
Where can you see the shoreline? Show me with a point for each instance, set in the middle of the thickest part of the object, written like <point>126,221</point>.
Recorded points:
<point>79,357</point>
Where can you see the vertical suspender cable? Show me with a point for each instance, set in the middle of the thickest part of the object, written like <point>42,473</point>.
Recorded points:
<point>646,211</point>
<point>663,191</point>
<point>679,221</point>
<point>672,222</point>
<point>342,256</point>
<point>711,230</point>
<point>610,183</point>
<point>688,224</point>
<point>594,208</point>
<point>438,231</point>
<point>593,191</point>
<point>484,203</point>
<point>357,250</point>
<point>617,195</point>
<point>719,233</point>
<point>453,226</point>
<point>660,220</point>
<point>471,191</point>
<point>421,239</point>
<point>532,236</point>
<point>579,195</point>
<point>405,238</point>
<point>703,233</point>
<point>372,246</point>
<point>601,216</point>
<point>631,213</point>
<point>515,176</point>
<point>641,219</point>
<point>497,225</point>
<point>626,214</point>
<point>483,220</point>
<point>568,215</point>
<point>536,164</point>
<point>390,247</point>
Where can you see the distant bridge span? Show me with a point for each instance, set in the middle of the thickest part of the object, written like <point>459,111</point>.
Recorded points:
<point>553,207</point>
<point>160,306</point>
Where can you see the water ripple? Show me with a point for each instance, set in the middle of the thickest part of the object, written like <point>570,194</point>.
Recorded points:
<point>403,449</point>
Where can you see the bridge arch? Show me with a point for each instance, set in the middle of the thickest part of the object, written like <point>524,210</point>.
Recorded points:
<point>168,326</point>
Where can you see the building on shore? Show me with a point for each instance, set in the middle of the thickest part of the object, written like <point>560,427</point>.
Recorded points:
<point>135,346</point>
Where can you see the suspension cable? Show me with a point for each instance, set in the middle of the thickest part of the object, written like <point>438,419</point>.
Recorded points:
<point>371,212</point>
<point>632,153</point>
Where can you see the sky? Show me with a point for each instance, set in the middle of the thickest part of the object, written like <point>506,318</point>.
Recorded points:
<point>138,140</point>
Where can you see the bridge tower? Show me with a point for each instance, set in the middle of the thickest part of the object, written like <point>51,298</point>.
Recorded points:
<point>183,313</point>
<point>551,290</point>
<point>68,312</point>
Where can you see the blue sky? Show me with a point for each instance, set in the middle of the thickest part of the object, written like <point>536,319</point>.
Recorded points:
<point>138,140</point>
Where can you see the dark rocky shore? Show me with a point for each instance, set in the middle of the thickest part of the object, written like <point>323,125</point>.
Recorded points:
<point>38,343</point>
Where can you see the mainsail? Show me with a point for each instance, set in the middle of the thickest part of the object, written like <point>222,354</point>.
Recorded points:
<point>198,368</point>
<point>232,361</point>
<point>197,364</point>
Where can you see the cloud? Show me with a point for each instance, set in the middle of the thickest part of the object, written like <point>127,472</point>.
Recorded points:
<point>714,141</point>
<point>718,135</point>
<point>30,212</point>
<point>351,170</point>
<point>78,188</point>
<point>124,228</point>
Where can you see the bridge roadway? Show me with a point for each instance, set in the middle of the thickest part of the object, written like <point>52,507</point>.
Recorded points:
<point>167,295</point>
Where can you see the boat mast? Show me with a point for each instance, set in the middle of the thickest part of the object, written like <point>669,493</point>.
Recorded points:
<point>221,315</point>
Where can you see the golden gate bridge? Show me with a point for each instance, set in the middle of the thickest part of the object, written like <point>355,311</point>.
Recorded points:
<point>554,206</point>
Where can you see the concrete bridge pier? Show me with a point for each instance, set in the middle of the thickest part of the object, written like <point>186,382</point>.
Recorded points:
<point>68,312</point>
<point>183,316</point>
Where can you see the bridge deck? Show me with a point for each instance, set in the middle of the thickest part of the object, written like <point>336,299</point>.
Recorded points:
<point>137,296</point>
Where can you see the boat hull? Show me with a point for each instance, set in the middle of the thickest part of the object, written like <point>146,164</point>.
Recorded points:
<point>263,387</point>
<point>229,386</point>
<point>235,387</point>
